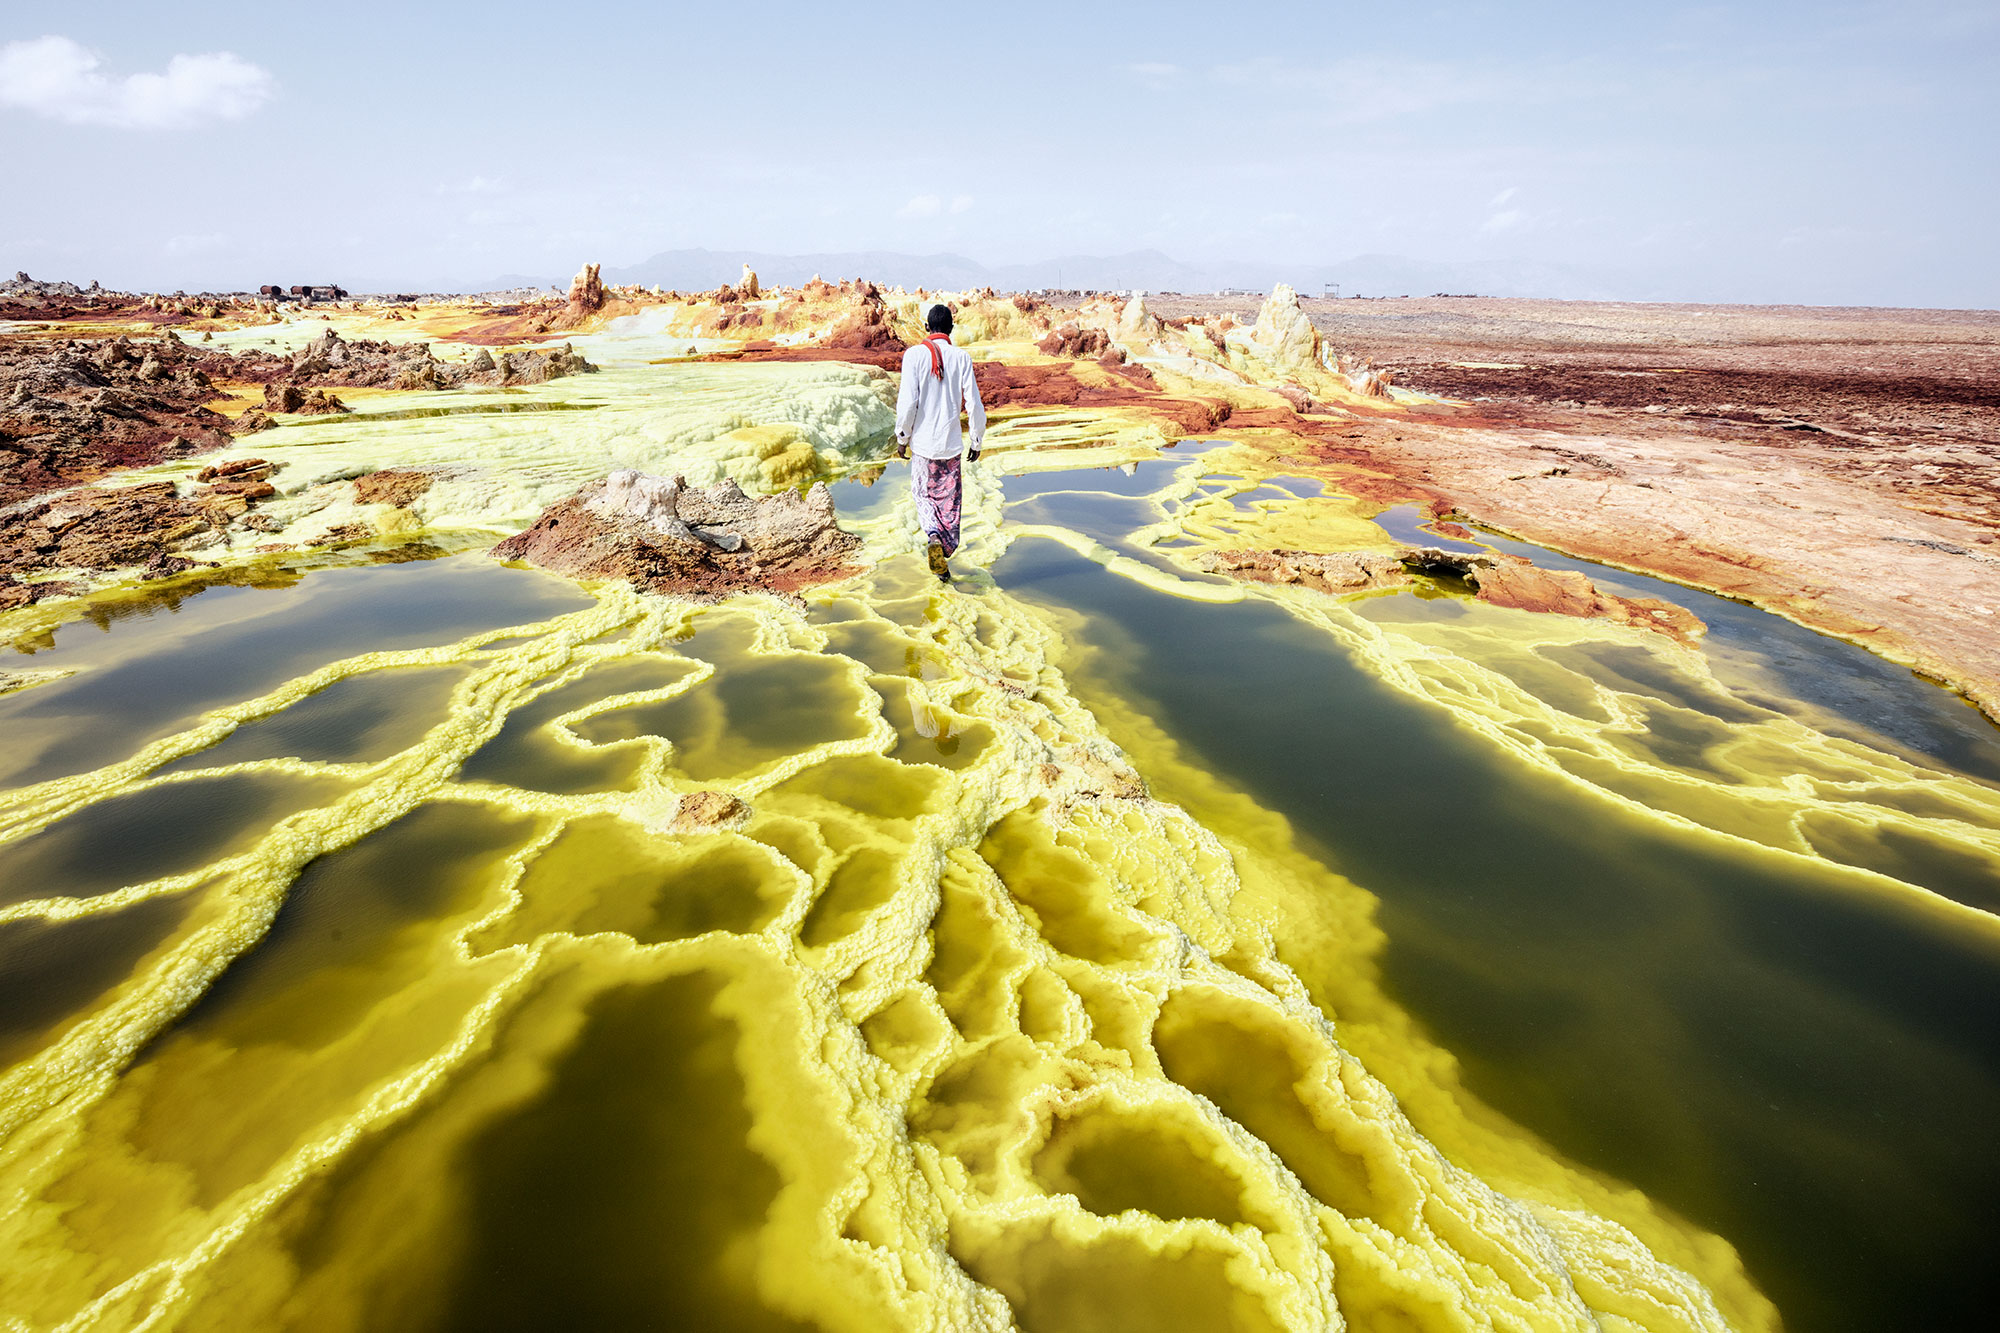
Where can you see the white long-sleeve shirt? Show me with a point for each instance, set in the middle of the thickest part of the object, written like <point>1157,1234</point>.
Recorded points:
<point>927,407</point>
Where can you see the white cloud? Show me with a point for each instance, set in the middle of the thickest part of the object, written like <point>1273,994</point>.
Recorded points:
<point>1501,198</point>
<point>960,202</point>
<point>61,79</point>
<point>1505,220</point>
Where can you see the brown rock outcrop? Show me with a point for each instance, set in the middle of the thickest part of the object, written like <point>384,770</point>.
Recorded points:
<point>95,529</point>
<point>864,334</point>
<point>1499,579</point>
<point>661,535</point>
<point>73,410</point>
<point>706,811</point>
<point>146,527</point>
<point>331,361</point>
<point>867,334</point>
<point>286,397</point>
<point>238,470</point>
<point>16,592</point>
<point>535,367</point>
<point>24,298</point>
<point>393,486</point>
<point>586,298</point>
<point>1340,572</point>
<point>1511,581</point>
<point>868,329</point>
<point>586,291</point>
<point>1073,340</point>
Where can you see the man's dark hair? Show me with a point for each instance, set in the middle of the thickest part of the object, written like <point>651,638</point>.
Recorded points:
<point>939,320</point>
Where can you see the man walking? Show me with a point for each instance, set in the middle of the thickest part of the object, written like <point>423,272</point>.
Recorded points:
<point>937,383</point>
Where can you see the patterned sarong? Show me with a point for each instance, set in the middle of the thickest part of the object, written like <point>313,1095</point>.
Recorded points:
<point>935,482</point>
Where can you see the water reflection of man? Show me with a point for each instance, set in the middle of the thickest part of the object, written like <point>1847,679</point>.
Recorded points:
<point>938,383</point>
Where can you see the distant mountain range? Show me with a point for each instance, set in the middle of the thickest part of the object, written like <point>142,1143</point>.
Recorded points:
<point>1146,270</point>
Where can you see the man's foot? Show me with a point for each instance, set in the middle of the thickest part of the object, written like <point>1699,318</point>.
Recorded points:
<point>938,566</point>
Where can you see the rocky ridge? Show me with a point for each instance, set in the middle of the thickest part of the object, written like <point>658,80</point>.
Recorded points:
<point>333,362</point>
<point>1497,578</point>
<point>151,528</point>
<point>661,535</point>
<point>73,409</point>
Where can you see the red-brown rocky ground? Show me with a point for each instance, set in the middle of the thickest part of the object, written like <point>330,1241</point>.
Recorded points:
<point>1841,467</point>
<point>662,536</point>
<point>74,409</point>
<point>71,410</point>
<point>147,526</point>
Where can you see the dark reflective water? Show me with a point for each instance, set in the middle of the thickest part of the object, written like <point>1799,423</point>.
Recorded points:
<point>165,830</point>
<point>1780,665</point>
<point>1799,1062</point>
<point>870,493</point>
<point>1811,1072</point>
<point>51,971</point>
<point>1107,518</point>
<point>1143,479</point>
<point>1408,524</point>
<point>234,643</point>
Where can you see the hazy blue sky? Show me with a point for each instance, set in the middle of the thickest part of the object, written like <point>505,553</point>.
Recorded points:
<point>1773,151</point>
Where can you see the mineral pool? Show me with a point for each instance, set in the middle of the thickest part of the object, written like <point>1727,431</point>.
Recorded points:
<point>1104,945</point>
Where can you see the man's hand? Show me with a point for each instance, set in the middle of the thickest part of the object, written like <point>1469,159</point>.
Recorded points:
<point>902,449</point>
<point>972,454</point>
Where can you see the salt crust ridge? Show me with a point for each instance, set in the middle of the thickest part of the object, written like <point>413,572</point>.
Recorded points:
<point>1167,883</point>
<point>1167,898</point>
